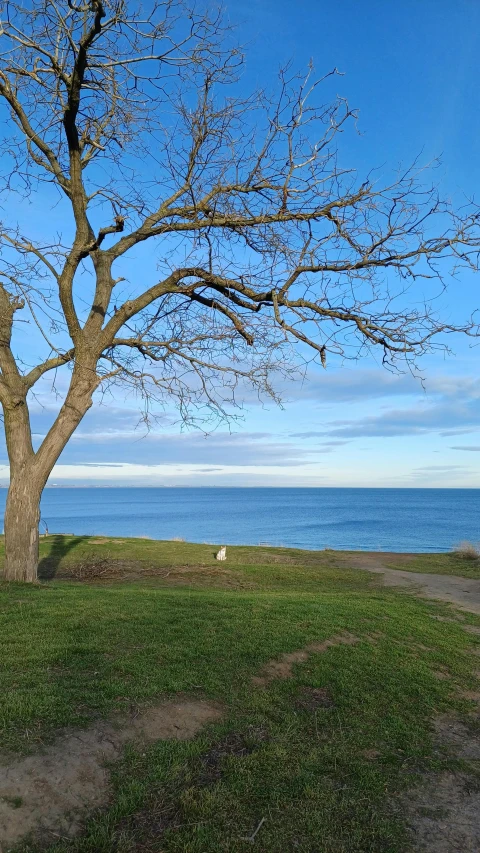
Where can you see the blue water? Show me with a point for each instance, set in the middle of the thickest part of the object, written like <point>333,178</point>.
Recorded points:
<point>356,519</point>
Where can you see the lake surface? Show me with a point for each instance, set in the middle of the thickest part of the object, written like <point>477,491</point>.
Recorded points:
<point>354,519</point>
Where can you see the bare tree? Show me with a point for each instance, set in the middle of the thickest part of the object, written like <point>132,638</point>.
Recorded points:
<point>136,120</point>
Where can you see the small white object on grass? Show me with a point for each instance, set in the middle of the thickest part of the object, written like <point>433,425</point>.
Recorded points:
<point>222,554</point>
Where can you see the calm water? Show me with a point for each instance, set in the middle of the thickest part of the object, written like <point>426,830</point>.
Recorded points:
<point>357,519</point>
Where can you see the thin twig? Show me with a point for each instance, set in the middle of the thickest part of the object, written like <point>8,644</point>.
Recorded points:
<point>251,838</point>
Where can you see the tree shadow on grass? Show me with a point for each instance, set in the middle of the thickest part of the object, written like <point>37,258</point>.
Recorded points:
<point>59,548</point>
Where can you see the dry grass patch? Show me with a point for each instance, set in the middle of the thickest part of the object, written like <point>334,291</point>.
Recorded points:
<point>467,551</point>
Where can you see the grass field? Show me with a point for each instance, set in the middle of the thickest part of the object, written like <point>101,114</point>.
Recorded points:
<point>322,758</point>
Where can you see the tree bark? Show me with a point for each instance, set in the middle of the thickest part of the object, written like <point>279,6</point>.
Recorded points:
<point>22,517</point>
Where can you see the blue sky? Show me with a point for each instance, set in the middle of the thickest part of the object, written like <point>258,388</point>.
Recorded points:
<point>412,71</point>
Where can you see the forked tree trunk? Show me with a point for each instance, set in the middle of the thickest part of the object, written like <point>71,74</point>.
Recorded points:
<point>22,517</point>
<point>29,471</point>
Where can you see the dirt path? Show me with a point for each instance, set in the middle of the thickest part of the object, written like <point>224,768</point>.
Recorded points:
<point>443,812</point>
<point>462,592</point>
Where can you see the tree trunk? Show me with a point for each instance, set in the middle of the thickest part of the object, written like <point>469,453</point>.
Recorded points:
<point>30,471</point>
<point>22,517</point>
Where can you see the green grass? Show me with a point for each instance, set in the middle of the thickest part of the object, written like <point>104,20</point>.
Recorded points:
<point>325,780</point>
<point>63,555</point>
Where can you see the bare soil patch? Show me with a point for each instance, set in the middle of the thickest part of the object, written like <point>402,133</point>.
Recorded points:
<point>461,740</point>
<point>314,699</point>
<point>371,754</point>
<point>48,793</point>
<point>235,744</point>
<point>459,617</point>
<point>472,695</point>
<point>447,814</point>
<point>283,666</point>
<point>444,810</point>
<point>442,674</point>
